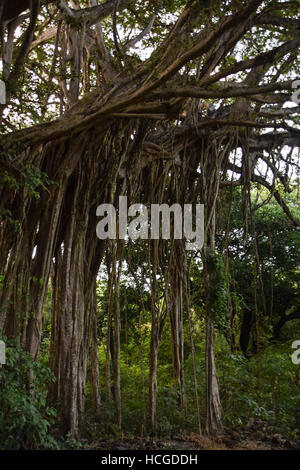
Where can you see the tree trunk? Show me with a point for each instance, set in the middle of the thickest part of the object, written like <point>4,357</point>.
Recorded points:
<point>213,421</point>
<point>213,417</point>
<point>94,354</point>
<point>69,339</point>
<point>117,344</point>
<point>154,348</point>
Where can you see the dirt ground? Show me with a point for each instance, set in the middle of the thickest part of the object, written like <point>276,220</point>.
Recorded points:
<point>244,438</point>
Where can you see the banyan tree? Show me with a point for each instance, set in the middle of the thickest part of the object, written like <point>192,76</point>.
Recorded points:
<point>162,102</point>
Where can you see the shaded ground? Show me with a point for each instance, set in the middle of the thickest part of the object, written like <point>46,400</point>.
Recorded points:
<point>244,438</point>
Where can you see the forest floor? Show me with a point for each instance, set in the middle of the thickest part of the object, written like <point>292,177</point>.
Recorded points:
<point>243,438</point>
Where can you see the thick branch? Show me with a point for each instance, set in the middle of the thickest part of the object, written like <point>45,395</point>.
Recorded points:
<point>140,36</point>
<point>93,15</point>
<point>192,92</point>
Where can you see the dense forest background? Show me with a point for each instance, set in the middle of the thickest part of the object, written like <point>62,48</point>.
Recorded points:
<point>113,343</point>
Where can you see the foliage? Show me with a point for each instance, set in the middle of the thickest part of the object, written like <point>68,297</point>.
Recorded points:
<point>265,388</point>
<point>218,294</point>
<point>25,418</point>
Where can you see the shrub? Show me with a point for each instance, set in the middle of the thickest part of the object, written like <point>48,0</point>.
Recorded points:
<point>25,418</point>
